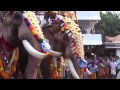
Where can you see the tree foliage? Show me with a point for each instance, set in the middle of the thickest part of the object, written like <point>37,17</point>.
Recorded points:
<point>109,24</point>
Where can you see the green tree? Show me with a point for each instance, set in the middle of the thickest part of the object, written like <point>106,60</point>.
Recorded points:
<point>109,24</point>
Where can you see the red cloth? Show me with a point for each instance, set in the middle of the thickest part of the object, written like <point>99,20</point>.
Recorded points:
<point>8,46</point>
<point>107,70</point>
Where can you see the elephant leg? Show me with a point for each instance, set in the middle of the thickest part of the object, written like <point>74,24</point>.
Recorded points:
<point>32,67</point>
<point>44,67</point>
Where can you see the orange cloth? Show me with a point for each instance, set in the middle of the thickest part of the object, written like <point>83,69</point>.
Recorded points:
<point>4,75</point>
<point>101,72</point>
<point>92,76</point>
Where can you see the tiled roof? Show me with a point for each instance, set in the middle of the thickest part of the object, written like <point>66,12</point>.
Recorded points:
<point>113,39</point>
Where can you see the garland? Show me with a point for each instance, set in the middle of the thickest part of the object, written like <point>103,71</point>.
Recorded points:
<point>58,68</point>
<point>54,71</point>
<point>5,75</point>
<point>72,30</point>
<point>51,67</point>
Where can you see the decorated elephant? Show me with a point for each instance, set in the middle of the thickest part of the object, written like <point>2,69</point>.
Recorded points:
<point>21,30</point>
<point>66,39</point>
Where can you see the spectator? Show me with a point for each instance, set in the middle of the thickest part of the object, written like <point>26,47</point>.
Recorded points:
<point>101,72</point>
<point>113,66</point>
<point>93,69</point>
<point>107,68</point>
<point>118,65</point>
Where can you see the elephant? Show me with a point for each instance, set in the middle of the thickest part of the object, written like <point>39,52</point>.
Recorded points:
<point>15,33</point>
<point>60,42</point>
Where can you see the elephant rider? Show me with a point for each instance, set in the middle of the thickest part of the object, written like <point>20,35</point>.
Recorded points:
<point>52,16</point>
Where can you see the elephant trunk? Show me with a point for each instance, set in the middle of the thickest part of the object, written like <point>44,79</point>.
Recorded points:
<point>32,51</point>
<point>54,53</point>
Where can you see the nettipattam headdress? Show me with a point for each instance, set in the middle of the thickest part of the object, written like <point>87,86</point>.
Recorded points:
<point>71,26</point>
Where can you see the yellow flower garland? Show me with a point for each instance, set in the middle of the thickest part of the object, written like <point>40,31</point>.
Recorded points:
<point>5,75</point>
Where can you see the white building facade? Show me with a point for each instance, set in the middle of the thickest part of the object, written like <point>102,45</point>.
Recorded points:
<point>87,21</point>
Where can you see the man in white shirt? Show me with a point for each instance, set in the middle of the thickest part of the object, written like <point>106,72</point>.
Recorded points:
<point>40,15</point>
<point>113,66</point>
<point>52,16</point>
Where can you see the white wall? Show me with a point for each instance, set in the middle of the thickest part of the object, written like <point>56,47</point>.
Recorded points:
<point>118,52</point>
<point>92,39</point>
<point>88,15</point>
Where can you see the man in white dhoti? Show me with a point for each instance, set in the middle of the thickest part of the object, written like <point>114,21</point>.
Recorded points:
<point>113,66</point>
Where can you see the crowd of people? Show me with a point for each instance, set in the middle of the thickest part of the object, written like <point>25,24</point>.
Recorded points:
<point>102,68</point>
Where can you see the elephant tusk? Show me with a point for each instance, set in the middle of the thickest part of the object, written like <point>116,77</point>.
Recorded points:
<point>32,51</point>
<point>54,53</point>
<point>72,69</point>
<point>88,72</point>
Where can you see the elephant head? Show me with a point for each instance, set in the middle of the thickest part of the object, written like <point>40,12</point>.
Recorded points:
<point>61,41</point>
<point>16,33</point>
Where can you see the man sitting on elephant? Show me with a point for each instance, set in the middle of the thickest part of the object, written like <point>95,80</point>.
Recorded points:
<point>52,16</point>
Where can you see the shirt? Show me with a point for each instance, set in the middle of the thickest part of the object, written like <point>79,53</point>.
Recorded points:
<point>108,62</point>
<point>118,64</point>
<point>82,64</point>
<point>113,65</point>
<point>96,62</point>
<point>57,16</point>
<point>93,68</point>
